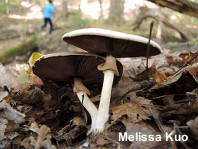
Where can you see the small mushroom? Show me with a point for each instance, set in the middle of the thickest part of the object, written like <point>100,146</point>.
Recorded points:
<point>78,69</point>
<point>111,44</point>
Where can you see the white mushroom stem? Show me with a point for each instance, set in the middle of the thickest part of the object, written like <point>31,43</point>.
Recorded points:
<point>90,107</point>
<point>109,69</point>
<point>82,92</point>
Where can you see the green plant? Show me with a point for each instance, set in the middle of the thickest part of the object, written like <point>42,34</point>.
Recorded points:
<point>79,22</point>
<point>2,7</point>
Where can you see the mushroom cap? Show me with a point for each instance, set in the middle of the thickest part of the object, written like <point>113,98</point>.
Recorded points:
<point>106,42</point>
<point>64,67</point>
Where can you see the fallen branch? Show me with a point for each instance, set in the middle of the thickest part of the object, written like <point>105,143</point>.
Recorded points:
<point>147,13</point>
<point>18,50</point>
<point>184,6</point>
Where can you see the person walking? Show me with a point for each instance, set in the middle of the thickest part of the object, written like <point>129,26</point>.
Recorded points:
<point>47,14</point>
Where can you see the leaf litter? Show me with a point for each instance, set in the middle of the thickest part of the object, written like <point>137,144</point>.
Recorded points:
<point>150,102</point>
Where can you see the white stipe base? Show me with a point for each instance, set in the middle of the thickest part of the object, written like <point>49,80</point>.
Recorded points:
<point>103,111</point>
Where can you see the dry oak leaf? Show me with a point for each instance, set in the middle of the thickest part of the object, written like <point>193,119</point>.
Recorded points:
<point>136,111</point>
<point>193,70</point>
<point>186,56</point>
<point>183,110</point>
<point>159,77</point>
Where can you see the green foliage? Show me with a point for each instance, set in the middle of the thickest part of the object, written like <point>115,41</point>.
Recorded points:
<point>79,22</point>
<point>90,1</point>
<point>196,1</point>
<point>172,43</point>
<point>120,28</point>
<point>17,49</point>
<point>194,42</point>
<point>2,7</point>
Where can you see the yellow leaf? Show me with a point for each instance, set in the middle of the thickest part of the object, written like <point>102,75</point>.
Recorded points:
<point>34,57</point>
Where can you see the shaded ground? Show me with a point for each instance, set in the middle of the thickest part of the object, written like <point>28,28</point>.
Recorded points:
<point>166,103</point>
<point>163,103</point>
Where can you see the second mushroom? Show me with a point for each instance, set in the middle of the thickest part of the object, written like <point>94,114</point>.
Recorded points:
<point>79,69</point>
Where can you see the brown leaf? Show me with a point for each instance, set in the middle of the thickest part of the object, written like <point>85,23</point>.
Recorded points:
<point>42,134</point>
<point>74,133</point>
<point>124,86</point>
<point>8,78</point>
<point>144,128</point>
<point>102,141</point>
<point>193,70</point>
<point>33,96</point>
<point>175,60</point>
<point>186,56</point>
<point>183,110</point>
<point>136,111</point>
<point>194,127</point>
<point>8,112</point>
<point>26,143</point>
<point>159,77</point>
<point>151,145</point>
<point>77,121</point>
<point>11,126</point>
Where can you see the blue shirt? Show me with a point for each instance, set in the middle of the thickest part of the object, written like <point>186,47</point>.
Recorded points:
<point>47,10</point>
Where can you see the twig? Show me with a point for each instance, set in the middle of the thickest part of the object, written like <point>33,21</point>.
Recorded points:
<point>180,133</point>
<point>43,131</point>
<point>83,99</point>
<point>185,65</point>
<point>148,48</point>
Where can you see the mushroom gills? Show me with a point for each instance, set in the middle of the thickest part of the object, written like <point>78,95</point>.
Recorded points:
<point>81,91</point>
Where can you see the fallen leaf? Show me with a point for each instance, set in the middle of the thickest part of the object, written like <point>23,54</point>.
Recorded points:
<point>187,56</point>
<point>34,57</point>
<point>141,127</point>
<point>193,124</point>
<point>136,111</point>
<point>42,134</point>
<point>102,141</point>
<point>6,111</point>
<point>193,70</point>
<point>3,125</point>
<point>159,77</point>
<point>7,78</point>
<point>2,95</point>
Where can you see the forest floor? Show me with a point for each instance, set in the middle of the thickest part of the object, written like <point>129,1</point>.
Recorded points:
<point>165,101</point>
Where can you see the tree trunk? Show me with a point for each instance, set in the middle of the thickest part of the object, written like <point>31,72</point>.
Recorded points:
<point>101,10</point>
<point>65,7</point>
<point>159,30</point>
<point>79,6</point>
<point>116,11</point>
<point>7,7</point>
<point>183,6</point>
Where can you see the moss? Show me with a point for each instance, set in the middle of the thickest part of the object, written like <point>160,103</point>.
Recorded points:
<point>19,49</point>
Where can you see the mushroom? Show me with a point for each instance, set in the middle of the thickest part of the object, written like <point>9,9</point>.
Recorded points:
<point>75,69</point>
<point>111,44</point>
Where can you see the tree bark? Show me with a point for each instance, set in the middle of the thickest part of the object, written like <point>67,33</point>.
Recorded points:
<point>184,6</point>
<point>7,7</point>
<point>116,11</point>
<point>101,10</point>
<point>65,7</point>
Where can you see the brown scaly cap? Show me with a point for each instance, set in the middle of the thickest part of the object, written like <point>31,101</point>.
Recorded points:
<point>106,42</point>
